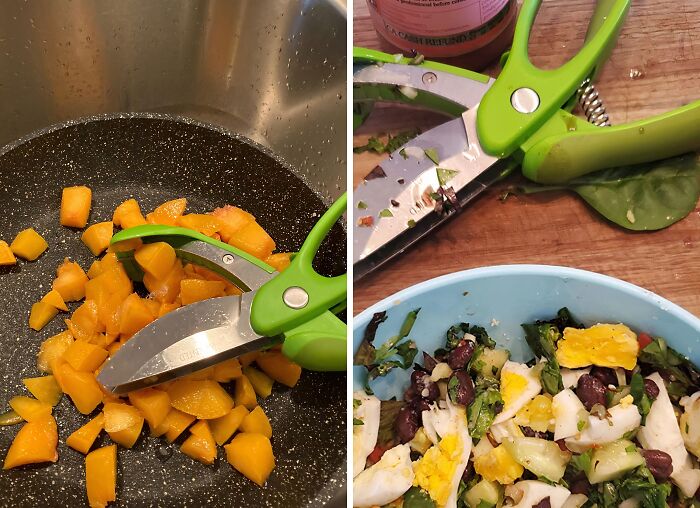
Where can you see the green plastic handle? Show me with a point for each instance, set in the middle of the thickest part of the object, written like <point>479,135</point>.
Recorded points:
<point>319,344</point>
<point>583,148</point>
<point>270,315</point>
<point>500,127</point>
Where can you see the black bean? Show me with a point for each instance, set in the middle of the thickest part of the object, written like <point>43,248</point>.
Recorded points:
<point>543,504</point>
<point>659,463</point>
<point>562,445</point>
<point>429,362</point>
<point>580,485</point>
<point>464,391</point>
<point>407,423</point>
<point>591,391</point>
<point>459,357</point>
<point>421,404</point>
<point>468,473</point>
<point>651,388</point>
<point>605,375</point>
<point>424,386</point>
<point>529,432</point>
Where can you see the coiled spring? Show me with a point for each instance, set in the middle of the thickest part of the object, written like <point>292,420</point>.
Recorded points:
<point>592,105</point>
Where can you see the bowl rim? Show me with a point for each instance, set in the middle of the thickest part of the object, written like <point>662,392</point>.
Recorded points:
<point>678,312</point>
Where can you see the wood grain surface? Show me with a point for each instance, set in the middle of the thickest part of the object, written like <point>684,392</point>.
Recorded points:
<point>654,68</point>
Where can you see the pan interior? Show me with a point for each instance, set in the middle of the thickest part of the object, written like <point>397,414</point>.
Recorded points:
<point>154,160</point>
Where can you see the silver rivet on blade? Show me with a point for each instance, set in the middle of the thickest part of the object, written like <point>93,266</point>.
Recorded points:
<point>525,100</point>
<point>295,297</point>
<point>228,259</point>
<point>429,77</point>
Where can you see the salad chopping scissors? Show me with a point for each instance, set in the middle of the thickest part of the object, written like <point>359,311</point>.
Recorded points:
<point>296,308</point>
<point>522,118</point>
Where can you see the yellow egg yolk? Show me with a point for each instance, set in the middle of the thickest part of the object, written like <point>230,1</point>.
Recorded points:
<point>435,470</point>
<point>537,414</point>
<point>512,386</point>
<point>602,345</point>
<point>498,466</point>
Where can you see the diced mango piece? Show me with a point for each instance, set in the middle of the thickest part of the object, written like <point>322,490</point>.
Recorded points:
<point>604,345</point>
<point>257,422</point>
<point>114,347</point>
<point>204,399</point>
<point>53,348</point>
<point>175,423</point>
<point>29,409</point>
<point>262,383</point>
<point>6,256</point>
<point>154,405</point>
<point>167,213</point>
<point>498,466</point>
<point>279,261</point>
<point>127,437</point>
<point>86,319</point>
<point>85,357</point>
<point>29,245</point>
<point>55,299</point>
<point>245,393</point>
<point>206,373</point>
<point>81,387</point>
<point>135,314</point>
<point>101,476</point>
<point>227,370</point>
<point>168,307</point>
<point>167,288</point>
<point>233,219</point>
<point>254,240</point>
<point>279,367</point>
<point>156,259</point>
<point>248,358</point>
<point>41,314</point>
<point>44,388</point>
<point>82,439</point>
<point>251,455</point>
<point>128,214</point>
<point>223,428</point>
<point>35,443</point>
<point>75,206</point>
<point>70,282</point>
<point>120,416</point>
<point>125,245</point>
<point>200,445</point>
<point>98,236</point>
<point>205,224</point>
<point>192,290</point>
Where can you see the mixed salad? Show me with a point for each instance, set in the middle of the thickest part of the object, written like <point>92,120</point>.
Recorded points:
<point>601,417</point>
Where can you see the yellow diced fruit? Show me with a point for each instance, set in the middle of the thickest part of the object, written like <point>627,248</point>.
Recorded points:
<point>167,213</point>
<point>251,455</point>
<point>120,416</point>
<point>204,399</point>
<point>82,439</point>
<point>29,245</point>
<point>86,318</point>
<point>29,409</point>
<point>232,220</point>
<point>156,259</point>
<point>6,256</point>
<point>75,206</point>
<point>128,214</point>
<point>248,358</point>
<point>245,393</point>
<point>279,261</point>
<point>223,428</point>
<point>52,349</point>
<point>537,414</point>
<point>44,388</point>
<point>205,224</point>
<point>257,422</point>
<point>127,437</point>
<point>200,445</point>
<point>254,240</point>
<point>98,236</point>
<point>81,387</point>
<point>35,443</point>
<point>279,367</point>
<point>125,245</point>
<point>498,466</point>
<point>175,423</point>
<point>135,314</point>
<point>603,345</point>
<point>101,476</point>
<point>70,282</point>
<point>55,299</point>
<point>192,290</point>
<point>227,370</point>
<point>85,357</point>
<point>41,314</point>
<point>154,405</point>
<point>262,383</point>
<point>199,375</point>
<point>165,289</point>
<point>165,308</point>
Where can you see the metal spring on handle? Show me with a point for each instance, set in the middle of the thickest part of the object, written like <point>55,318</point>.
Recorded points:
<point>592,105</point>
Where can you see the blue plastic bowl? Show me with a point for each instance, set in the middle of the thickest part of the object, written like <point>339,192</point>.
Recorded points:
<point>500,298</point>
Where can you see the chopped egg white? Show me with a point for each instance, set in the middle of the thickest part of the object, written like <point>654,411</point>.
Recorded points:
<point>364,437</point>
<point>519,385</point>
<point>570,376</point>
<point>386,480</point>
<point>618,421</point>
<point>505,430</point>
<point>570,416</point>
<point>528,493</point>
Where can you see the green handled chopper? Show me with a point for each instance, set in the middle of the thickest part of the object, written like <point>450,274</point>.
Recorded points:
<point>522,118</point>
<point>296,308</point>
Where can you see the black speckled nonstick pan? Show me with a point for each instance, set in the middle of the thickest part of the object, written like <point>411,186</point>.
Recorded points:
<point>154,159</point>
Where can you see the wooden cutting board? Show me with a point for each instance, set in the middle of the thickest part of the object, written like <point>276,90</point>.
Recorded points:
<point>655,68</point>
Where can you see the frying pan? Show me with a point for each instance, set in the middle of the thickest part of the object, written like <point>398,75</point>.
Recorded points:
<point>155,134</point>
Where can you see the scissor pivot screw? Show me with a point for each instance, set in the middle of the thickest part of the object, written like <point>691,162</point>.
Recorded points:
<point>295,297</point>
<point>228,259</point>
<point>525,100</point>
<point>429,77</point>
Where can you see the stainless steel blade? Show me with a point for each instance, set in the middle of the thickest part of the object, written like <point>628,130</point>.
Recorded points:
<point>401,187</point>
<point>184,341</point>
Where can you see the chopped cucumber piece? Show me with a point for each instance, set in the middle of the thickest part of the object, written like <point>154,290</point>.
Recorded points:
<point>489,362</point>
<point>542,457</point>
<point>484,491</point>
<point>613,460</point>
